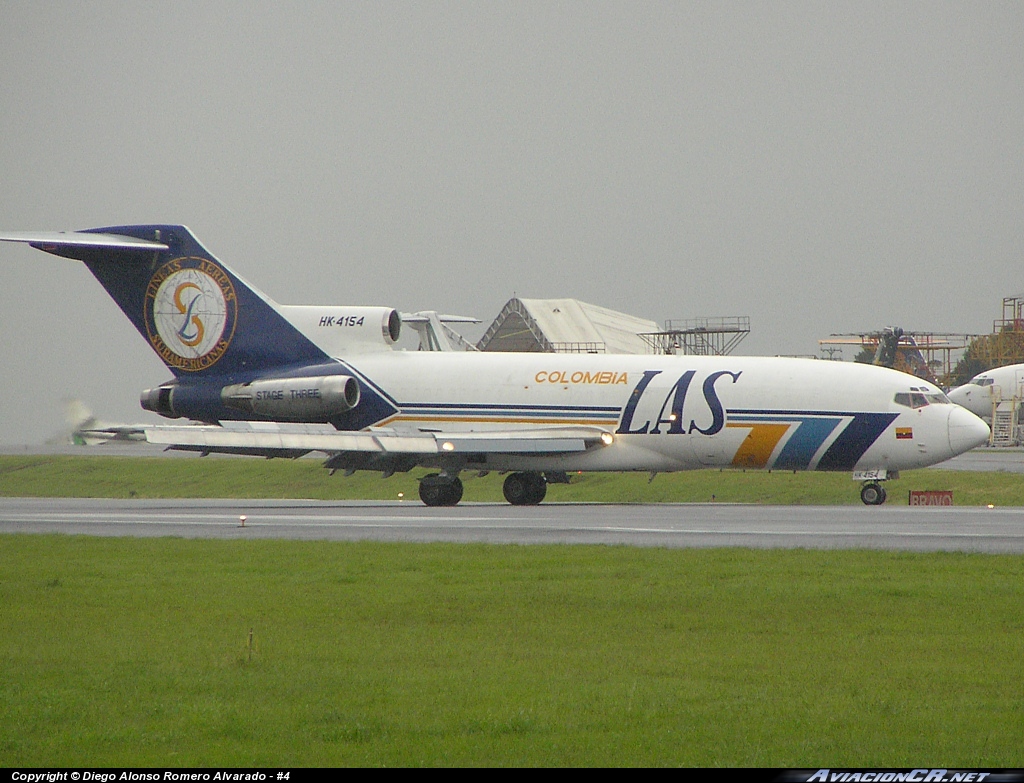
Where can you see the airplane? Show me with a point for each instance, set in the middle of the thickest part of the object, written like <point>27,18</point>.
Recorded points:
<point>87,430</point>
<point>893,348</point>
<point>985,390</point>
<point>276,380</point>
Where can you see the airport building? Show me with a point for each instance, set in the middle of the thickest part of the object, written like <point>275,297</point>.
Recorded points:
<point>572,326</point>
<point>564,326</point>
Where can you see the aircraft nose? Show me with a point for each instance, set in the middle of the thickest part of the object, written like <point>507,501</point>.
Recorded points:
<point>961,395</point>
<point>966,431</point>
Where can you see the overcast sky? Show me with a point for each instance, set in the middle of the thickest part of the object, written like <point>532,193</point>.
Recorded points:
<point>820,167</point>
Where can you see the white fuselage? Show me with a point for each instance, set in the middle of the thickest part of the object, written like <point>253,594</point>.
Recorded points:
<point>678,412</point>
<point>986,390</point>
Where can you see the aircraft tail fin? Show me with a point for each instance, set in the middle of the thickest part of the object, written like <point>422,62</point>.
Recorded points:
<point>195,313</point>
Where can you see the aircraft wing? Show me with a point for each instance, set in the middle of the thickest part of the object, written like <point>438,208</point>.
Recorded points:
<point>293,442</point>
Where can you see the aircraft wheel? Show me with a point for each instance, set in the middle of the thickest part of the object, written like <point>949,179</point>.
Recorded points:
<point>516,489</point>
<point>872,494</point>
<point>524,489</point>
<point>453,493</point>
<point>432,492</point>
<point>538,488</point>
<point>436,491</point>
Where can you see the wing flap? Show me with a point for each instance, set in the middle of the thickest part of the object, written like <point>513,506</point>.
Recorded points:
<point>548,441</point>
<point>220,439</point>
<point>211,438</point>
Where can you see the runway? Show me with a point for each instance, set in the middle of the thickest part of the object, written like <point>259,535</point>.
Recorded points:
<point>967,529</point>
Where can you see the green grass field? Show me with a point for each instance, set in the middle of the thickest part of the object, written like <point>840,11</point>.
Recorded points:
<point>135,652</point>
<point>155,477</point>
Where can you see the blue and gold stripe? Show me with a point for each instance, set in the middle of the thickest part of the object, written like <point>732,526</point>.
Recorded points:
<point>792,440</point>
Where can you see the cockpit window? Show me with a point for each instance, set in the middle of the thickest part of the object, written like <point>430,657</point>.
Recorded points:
<point>918,399</point>
<point>914,399</point>
<point>983,381</point>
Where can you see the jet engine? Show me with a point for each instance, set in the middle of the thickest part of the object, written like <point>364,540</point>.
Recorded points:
<point>308,400</point>
<point>340,330</point>
<point>160,400</point>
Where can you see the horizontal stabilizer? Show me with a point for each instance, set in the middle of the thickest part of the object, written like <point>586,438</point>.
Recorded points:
<point>423,318</point>
<point>46,240</point>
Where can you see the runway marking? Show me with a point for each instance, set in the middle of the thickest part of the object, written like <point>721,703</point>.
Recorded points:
<point>908,534</point>
<point>468,524</point>
<point>669,525</point>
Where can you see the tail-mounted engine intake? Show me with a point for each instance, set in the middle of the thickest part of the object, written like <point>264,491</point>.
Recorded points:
<point>340,330</point>
<point>311,400</point>
<point>160,400</point>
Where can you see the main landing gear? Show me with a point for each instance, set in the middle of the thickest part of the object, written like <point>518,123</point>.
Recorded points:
<point>524,489</point>
<point>520,489</point>
<point>872,493</point>
<point>440,490</point>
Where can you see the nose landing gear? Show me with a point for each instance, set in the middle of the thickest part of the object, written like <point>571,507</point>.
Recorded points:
<point>872,493</point>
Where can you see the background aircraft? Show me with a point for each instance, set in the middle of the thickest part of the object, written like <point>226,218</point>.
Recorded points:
<point>84,429</point>
<point>281,380</point>
<point>996,396</point>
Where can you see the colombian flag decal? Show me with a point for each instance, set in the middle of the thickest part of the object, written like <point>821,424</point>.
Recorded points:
<point>904,433</point>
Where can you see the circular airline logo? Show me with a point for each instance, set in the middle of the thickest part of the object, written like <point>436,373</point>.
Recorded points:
<point>191,310</point>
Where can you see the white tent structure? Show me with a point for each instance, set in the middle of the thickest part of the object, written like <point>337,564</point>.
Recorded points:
<point>565,326</point>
